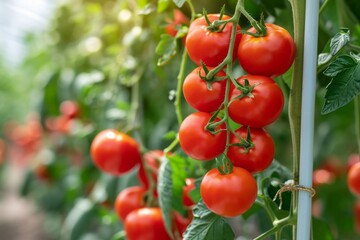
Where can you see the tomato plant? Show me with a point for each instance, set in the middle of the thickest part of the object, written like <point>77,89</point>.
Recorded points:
<point>269,55</point>
<point>256,158</point>
<point>145,224</point>
<point>209,44</point>
<point>228,195</point>
<point>114,152</point>
<point>258,106</point>
<point>201,95</point>
<point>199,143</point>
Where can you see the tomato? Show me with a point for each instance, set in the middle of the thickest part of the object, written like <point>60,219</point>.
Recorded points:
<point>208,46</point>
<point>261,108</point>
<point>145,224</point>
<point>198,95</point>
<point>128,200</point>
<point>353,179</point>
<point>69,108</point>
<point>322,176</point>
<point>181,222</point>
<point>114,152</point>
<point>179,19</point>
<point>228,195</point>
<point>257,158</point>
<point>197,142</point>
<point>270,55</point>
<point>189,186</point>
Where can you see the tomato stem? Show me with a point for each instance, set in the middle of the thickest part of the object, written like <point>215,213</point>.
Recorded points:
<point>259,26</point>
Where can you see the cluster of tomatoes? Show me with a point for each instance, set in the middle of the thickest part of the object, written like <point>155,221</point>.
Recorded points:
<point>253,101</point>
<point>116,153</point>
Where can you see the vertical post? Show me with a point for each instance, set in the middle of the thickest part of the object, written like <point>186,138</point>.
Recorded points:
<point>307,118</point>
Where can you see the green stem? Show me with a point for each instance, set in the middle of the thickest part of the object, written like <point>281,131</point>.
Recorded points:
<point>298,9</point>
<point>357,121</point>
<point>276,229</point>
<point>180,79</point>
<point>323,6</point>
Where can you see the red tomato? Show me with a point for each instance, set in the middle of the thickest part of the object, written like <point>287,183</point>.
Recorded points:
<point>198,95</point>
<point>179,19</point>
<point>262,108</point>
<point>145,224</point>
<point>181,222</point>
<point>128,200</point>
<point>208,46</point>
<point>189,186</point>
<point>270,55</point>
<point>69,108</point>
<point>228,195</point>
<point>114,152</point>
<point>196,141</point>
<point>322,176</point>
<point>257,158</point>
<point>353,179</point>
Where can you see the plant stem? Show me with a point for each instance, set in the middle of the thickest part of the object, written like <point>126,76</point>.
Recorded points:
<point>323,6</point>
<point>298,9</point>
<point>180,79</point>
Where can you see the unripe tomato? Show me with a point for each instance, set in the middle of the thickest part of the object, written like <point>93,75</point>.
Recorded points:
<point>259,108</point>
<point>128,200</point>
<point>228,195</point>
<point>257,158</point>
<point>197,93</point>
<point>145,224</point>
<point>114,152</point>
<point>353,179</point>
<point>196,141</point>
<point>270,55</point>
<point>210,47</point>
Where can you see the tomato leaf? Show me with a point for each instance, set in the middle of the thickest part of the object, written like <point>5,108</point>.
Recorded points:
<point>162,5</point>
<point>345,82</point>
<point>179,3</point>
<point>178,166</point>
<point>78,220</point>
<point>339,41</point>
<point>167,49</point>
<point>207,225</point>
<point>165,190</point>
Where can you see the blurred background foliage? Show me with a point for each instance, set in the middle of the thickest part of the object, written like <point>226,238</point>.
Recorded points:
<point>100,54</point>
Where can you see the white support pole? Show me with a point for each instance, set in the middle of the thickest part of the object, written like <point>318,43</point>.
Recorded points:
<point>307,118</point>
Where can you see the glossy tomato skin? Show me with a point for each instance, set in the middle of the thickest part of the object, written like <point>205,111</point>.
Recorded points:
<point>196,141</point>
<point>114,152</point>
<point>128,200</point>
<point>197,94</point>
<point>270,55</point>
<point>228,195</point>
<point>260,110</point>
<point>145,224</point>
<point>353,179</point>
<point>257,158</point>
<point>207,46</point>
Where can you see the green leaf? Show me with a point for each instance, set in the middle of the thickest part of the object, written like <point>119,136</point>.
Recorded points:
<point>78,220</point>
<point>166,48</point>
<point>339,41</point>
<point>179,166</point>
<point>207,225</point>
<point>179,3</point>
<point>345,83</point>
<point>165,190</point>
<point>321,230</point>
<point>162,5</point>
<point>324,58</point>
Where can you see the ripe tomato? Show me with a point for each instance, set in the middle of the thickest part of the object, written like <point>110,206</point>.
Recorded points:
<point>260,109</point>
<point>322,176</point>
<point>189,186</point>
<point>145,224</point>
<point>198,95</point>
<point>128,200</point>
<point>181,223</point>
<point>228,195</point>
<point>257,158</point>
<point>270,55</point>
<point>69,109</point>
<point>208,46</point>
<point>196,141</point>
<point>353,179</point>
<point>114,152</point>
<point>179,19</point>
